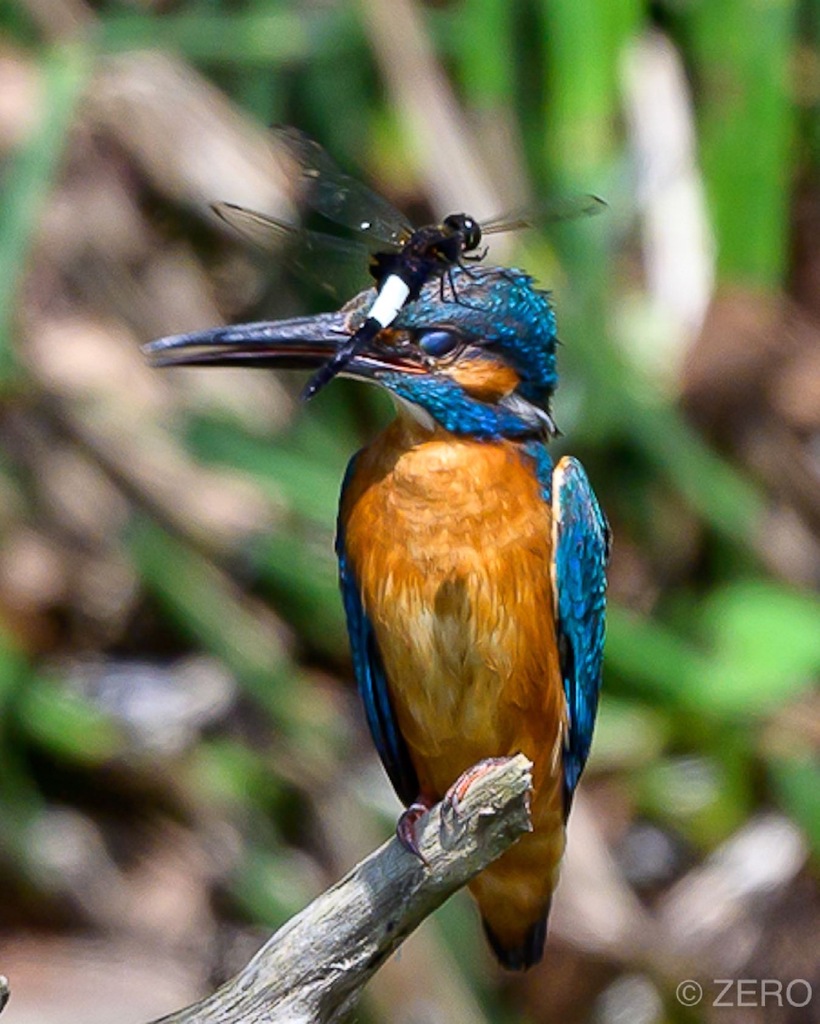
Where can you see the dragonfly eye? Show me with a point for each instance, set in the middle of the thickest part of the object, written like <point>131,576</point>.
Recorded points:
<point>472,233</point>
<point>439,341</point>
<point>467,227</point>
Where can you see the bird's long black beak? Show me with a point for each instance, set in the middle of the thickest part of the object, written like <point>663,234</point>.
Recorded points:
<point>303,343</point>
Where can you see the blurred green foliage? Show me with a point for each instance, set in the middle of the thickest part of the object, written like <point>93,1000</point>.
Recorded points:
<point>696,686</point>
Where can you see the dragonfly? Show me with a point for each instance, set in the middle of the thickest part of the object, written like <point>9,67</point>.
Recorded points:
<point>400,258</point>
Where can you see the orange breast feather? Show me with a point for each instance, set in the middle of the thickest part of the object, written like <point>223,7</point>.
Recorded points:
<point>450,541</point>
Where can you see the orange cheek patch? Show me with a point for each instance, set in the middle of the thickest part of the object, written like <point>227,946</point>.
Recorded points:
<point>391,338</point>
<point>484,379</point>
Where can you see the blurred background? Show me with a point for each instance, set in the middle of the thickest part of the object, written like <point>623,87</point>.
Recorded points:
<point>183,760</point>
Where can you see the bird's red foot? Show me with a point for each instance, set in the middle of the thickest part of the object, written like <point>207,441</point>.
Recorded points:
<point>406,827</point>
<point>456,793</point>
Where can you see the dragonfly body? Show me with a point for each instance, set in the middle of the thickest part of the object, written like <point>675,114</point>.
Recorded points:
<point>429,252</point>
<point>472,568</point>
<point>402,259</point>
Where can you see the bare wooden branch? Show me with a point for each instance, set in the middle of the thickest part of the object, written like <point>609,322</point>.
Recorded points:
<point>314,968</point>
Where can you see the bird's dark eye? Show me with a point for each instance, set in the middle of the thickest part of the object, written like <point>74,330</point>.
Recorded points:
<point>439,342</point>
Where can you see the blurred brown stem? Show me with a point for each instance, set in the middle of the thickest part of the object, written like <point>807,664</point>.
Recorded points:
<point>314,968</point>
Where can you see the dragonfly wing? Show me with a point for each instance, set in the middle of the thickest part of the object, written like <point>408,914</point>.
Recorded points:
<point>337,266</point>
<point>551,212</point>
<point>338,196</point>
<point>266,233</point>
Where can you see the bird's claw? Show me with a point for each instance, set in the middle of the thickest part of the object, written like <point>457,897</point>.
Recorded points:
<point>450,807</point>
<point>406,828</point>
<point>458,791</point>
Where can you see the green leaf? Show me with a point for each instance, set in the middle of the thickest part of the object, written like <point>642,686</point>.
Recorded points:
<point>265,39</point>
<point>627,734</point>
<point>29,176</point>
<point>796,781</point>
<point>273,887</point>
<point>743,53</point>
<point>766,647</point>
<point>231,775</point>
<point>698,794</point>
<point>67,726</point>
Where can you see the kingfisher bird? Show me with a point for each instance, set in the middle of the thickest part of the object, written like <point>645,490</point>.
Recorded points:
<point>472,567</point>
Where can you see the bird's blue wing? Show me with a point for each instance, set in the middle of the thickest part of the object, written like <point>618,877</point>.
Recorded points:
<point>371,679</point>
<point>580,553</point>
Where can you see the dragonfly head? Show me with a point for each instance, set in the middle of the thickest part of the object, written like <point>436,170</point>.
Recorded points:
<point>466,226</point>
